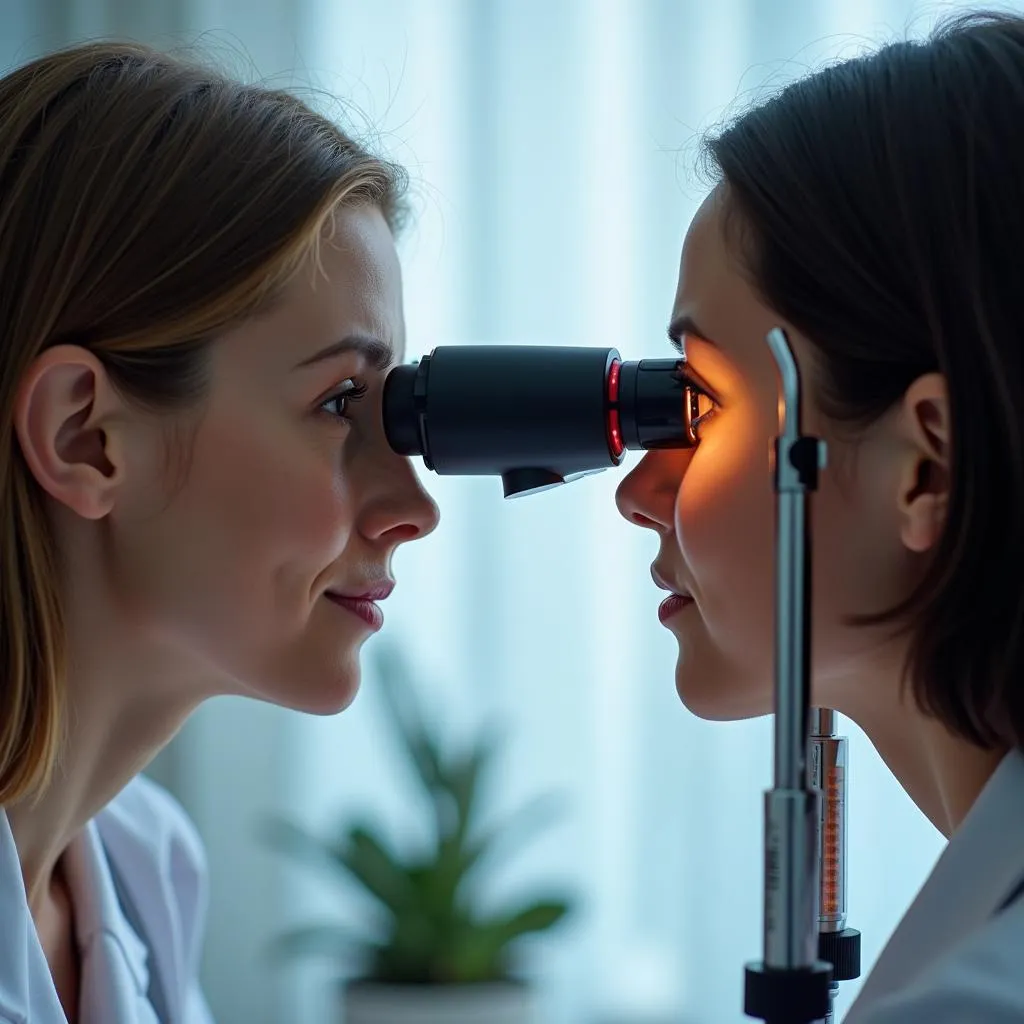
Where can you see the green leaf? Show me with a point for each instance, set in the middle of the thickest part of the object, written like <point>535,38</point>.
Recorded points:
<point>453,827</point>
<point>430,902</point>
<point>380,871</point>
<point>445,877</point>
<point>534,917</point>
<point>481,953</point>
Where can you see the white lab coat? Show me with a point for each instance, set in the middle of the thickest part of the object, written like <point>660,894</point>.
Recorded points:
<point>956,958</point>
<point>145,836</point>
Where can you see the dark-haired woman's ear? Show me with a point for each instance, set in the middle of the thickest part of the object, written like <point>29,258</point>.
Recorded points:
<point>924,480</point>
<point>64,410</point>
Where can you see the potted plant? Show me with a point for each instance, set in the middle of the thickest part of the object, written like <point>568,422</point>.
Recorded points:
<point>440,958</point>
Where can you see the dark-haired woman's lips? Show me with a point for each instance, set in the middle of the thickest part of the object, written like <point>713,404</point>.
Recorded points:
<point>673,605</point>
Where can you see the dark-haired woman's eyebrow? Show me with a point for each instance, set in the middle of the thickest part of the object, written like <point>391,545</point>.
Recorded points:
<point>685,325</point>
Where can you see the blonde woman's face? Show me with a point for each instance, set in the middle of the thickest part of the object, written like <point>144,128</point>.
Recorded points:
<point>258,562</point>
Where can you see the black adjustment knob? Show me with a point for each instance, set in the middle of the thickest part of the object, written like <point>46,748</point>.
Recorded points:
<point>798,996</point>
<point>842,951</point>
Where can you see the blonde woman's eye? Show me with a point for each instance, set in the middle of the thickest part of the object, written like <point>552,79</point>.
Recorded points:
<point>337,404</point>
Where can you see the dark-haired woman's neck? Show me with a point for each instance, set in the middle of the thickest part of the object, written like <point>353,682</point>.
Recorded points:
<point>943,774</point>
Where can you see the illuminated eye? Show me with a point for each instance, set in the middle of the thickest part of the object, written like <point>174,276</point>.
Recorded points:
<point>700,407</point>
<point>704,407</point>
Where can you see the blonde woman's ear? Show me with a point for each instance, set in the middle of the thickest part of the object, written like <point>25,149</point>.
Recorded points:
<point>63,413</point>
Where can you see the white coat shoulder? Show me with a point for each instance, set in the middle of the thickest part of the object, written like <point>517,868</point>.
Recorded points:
<point>979,980</point>
<point>955,956</point>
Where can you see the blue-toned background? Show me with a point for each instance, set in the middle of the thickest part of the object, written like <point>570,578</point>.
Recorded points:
<point>552,145</point>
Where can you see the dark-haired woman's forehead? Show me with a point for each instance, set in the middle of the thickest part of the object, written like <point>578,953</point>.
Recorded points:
<point>724,322</point>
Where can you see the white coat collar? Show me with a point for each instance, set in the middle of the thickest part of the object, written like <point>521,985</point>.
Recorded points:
<point>980,865</point>
<point>27,992</point>
<point>97,909</point>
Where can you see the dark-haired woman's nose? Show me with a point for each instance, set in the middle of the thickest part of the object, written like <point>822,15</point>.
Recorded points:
<point>647,496</point>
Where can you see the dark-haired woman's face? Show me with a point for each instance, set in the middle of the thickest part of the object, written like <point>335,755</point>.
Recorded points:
<point>713,506</point>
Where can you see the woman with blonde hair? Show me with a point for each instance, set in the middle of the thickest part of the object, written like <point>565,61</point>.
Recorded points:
<point>199,300</point>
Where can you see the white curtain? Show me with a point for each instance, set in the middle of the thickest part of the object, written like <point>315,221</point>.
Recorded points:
<point>552,143</point>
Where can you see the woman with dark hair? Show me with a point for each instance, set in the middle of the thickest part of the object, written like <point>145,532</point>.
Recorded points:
<point>200,297</point>
<point>875,210</point>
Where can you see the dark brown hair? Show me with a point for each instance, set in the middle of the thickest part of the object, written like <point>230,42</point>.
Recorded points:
<point>147,203</point>
<point>880,203</point>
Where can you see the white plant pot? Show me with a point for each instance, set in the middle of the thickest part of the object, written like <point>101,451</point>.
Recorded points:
<point>497,1003</point>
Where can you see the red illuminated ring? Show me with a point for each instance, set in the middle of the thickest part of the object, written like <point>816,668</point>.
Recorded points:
<point>613,381</point>
<point>615,442</point>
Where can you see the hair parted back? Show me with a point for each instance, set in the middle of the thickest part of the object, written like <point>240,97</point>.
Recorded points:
<point>878,206</point>
<point>147,203</point>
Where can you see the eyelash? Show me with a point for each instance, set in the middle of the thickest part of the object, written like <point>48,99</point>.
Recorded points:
<point>695,419</point>
<point>693,392</point>
<point>352,393</point>
<point>705,416</point>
